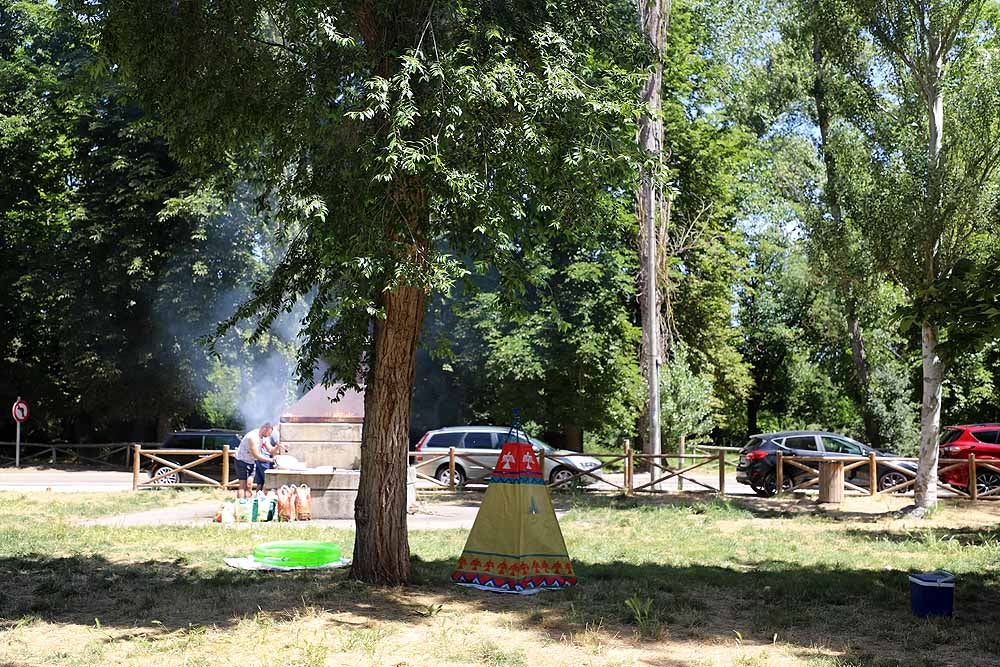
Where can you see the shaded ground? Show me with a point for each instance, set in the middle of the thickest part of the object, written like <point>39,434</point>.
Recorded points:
<point>749,584</point>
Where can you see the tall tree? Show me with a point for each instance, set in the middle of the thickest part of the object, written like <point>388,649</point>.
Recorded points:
<point>116,259</point>
<point>398,134</point>
<point>653,210</point>
<point>938,54</point>
<point>836,236</point>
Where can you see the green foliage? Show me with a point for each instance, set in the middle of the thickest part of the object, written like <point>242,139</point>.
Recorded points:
<point>401,140</point>
<point>686,399</point>
<point>116,260</point>
<point>642,616</point>
<point>565,355</point>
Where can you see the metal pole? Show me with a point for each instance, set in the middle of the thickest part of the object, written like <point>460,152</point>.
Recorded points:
<point>17,446</point>
<point>652,325</point>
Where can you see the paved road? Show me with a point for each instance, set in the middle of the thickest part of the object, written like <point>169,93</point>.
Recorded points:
<point>64,479</point>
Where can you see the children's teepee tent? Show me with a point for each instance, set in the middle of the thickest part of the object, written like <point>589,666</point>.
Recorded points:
<point>516,545</point>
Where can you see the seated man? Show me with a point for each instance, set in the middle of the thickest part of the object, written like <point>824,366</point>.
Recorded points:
<point>248,454</point>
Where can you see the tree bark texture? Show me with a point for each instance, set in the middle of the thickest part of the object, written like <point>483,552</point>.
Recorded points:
<point>573,437</point>
<point>925,487</point>
<point>654,17</point>
<point>381,547</point>
<point>873,430</point>
<point>862,392</point>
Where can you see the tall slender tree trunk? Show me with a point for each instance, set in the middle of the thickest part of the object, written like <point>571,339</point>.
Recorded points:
<point>873,430</point>
<point>862,392</point>
<point>925,487</point>
<point>654,18</point>
<point>381,547</point>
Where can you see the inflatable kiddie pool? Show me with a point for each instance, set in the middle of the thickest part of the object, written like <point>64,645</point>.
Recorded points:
<point>297,553</point>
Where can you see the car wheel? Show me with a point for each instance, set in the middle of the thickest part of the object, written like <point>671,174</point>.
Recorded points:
<point>987,481</point>
<point>891,479</point>
<point>561,477</point>
<point>172,478</point>
<point>443,475</point>
<point>769,485</point>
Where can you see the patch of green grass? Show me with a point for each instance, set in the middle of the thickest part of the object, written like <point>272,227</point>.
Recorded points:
<point>492,654</point>
<point>365,640</point>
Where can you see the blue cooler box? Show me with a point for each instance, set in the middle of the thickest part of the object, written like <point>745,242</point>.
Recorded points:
<point>932,593</point>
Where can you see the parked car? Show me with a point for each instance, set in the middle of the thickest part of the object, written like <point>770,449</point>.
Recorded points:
<point>957,442</point>
<point>480,446</point>
<point>759,459</point>
<point>204,439</point>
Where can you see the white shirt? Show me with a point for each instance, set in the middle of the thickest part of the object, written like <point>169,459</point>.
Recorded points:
<point>245,451</point>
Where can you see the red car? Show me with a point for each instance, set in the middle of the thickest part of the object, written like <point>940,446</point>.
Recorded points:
<point>983,440</point>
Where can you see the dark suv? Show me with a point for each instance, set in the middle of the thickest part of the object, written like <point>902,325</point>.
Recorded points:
<point>759,459</point>
<point>983,440</point>
<point>205,439</point>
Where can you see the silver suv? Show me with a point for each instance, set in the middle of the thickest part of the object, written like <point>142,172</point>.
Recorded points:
<point>479,447</point>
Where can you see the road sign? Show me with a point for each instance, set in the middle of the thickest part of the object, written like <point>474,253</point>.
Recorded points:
<point>20,411</point>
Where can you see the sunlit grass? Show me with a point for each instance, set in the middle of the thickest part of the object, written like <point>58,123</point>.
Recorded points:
<point>708,573</point>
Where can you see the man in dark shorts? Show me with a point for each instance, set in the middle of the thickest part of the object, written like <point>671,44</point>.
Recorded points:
<point>250,451</point>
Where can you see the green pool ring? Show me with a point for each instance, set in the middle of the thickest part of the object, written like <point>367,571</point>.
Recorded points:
<point>297,553</point>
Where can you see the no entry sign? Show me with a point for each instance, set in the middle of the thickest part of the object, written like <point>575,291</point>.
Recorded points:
<point>20,411</point>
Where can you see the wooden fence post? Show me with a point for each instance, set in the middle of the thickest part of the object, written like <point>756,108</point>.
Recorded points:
<point>451,468</point>
<point>779,475</point>
<point>137,449</point>
<point>973,491</point>
<point>722,473</point>
<point>680,462</point>
<point>629,462</point>
<point>225,466</point>
<point>872,474</point>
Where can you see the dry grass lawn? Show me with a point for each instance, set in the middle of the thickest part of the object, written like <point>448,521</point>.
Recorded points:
<point>676,581</point>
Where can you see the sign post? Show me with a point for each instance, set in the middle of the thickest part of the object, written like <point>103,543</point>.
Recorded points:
<point>20,412</point>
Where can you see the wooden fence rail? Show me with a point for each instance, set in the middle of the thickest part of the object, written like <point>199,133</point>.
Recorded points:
<point>166,468</point>
<point>97,453</point>
<point>661,469</point>
<point>804,476</point>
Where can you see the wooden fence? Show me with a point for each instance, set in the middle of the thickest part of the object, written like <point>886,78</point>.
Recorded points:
<point>108,453</point>
<point>662,468</point>
<point>804,476</point>
<point>165,469</point>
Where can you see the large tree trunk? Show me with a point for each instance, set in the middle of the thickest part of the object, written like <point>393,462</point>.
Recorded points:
<point>381,547</point>
<point>753,410</point>
<point>930,419</point>
<point>573,437</point>
<point>654,17</point>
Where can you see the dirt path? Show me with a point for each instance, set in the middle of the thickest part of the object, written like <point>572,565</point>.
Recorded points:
<point>444,515</point>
